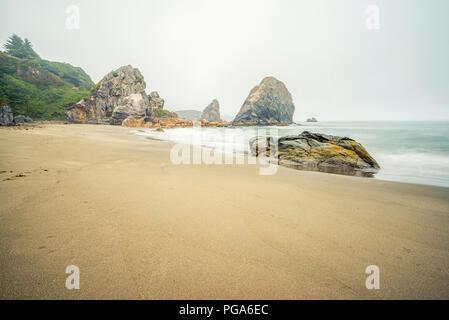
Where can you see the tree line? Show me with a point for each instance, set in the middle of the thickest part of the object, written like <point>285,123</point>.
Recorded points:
<point>19,48</point>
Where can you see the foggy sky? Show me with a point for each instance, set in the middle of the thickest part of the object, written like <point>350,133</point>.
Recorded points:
<point>192,51</point>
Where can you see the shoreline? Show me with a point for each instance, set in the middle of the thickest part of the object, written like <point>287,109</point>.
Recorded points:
<point>381,175</point>
<point>140,227</point>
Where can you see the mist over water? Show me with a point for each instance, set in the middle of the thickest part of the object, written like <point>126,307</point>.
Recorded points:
<point>407,151</point>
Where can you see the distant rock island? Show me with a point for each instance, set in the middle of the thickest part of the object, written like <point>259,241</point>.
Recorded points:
<point>269,103</point>
<point>212,112</point>
<point>189,114</point>
<point>313,119</point>
<point>319,152</point>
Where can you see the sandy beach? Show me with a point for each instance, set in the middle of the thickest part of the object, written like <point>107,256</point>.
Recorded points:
<point>140,227</point>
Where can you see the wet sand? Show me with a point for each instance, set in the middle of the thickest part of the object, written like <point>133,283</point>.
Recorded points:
<point>140,227</point>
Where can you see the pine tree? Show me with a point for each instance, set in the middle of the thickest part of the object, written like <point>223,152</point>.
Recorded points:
<point>16,47</point>
<point>29,49</point>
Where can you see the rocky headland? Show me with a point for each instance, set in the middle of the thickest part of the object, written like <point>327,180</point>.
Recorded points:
<point>318,152</point>
<point>120,94</point>
<point>269,103</point>
<point>37,88</point>
<point>120,99</point>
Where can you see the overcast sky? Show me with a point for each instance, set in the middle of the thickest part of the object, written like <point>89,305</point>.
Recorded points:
<point>192,51</point>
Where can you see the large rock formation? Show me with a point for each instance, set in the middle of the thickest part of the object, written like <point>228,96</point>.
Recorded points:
<point>136,105</point>
<point>212,112</point>
<point>120,99</point>
<point>6,116</point>
<point>118,95</point>
<point>269,103</point>
<point>318,152</point>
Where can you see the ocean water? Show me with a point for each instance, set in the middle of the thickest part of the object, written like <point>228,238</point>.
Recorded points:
<point>412,152</point>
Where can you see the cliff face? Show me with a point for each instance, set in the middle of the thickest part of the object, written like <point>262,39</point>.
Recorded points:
<point>269,103</point>
<point>120,94</point>
<point>212,112</point>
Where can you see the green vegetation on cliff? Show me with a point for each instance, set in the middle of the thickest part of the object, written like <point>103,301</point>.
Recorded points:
<point>159,113</point>
<point>35,87</point>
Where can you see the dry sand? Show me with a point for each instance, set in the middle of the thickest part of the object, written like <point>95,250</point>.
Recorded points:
<point>140,227</point>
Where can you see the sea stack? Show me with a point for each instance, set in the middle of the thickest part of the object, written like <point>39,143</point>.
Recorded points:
<point>212,112</point>
<point>269,103</point>
<point>120,94</point>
